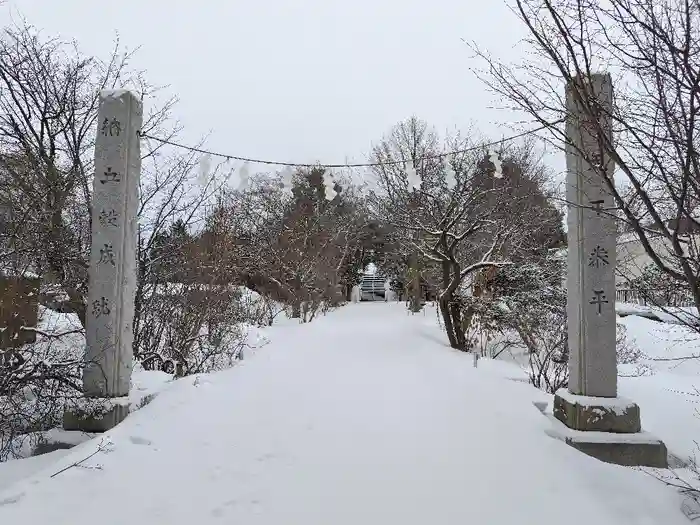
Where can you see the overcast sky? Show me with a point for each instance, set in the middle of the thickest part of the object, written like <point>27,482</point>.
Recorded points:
<point>301,80</point>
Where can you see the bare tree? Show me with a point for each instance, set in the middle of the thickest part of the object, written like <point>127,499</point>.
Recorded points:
<point>463,218</point>
<point>448,226</point>
<point>295,247</point>
<point>48,109</point>
<point>653,49</point>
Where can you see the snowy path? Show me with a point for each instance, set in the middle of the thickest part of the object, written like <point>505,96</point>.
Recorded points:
<point>357,418</point>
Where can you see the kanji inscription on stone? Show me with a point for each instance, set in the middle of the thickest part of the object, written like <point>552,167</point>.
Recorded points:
<point>598,257</point>
<point>107,255</point>
<point>110,175</point>
<point>111,127</point>
<point>597,206</point>
<point>100,307</point>
<point>108,218</point>
<point>599,300</point>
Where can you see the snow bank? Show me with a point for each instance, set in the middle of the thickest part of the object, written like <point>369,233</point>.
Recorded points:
<point>669,399</point>
<point>669,314</point>
<point>11,471</point>
<point>355,418</point>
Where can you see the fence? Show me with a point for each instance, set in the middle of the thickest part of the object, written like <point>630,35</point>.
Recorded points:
<point>653,298</point>
<point>372,287</point>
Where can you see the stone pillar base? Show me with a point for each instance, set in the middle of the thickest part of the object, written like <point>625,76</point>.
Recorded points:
<point>647,451</point>
<point>608,429</point>
<point>95,415</point>
<point>598,414</point>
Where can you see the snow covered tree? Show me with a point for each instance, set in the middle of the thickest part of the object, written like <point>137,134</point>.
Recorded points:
<point>301,248</point>
<point>168,253</point>
<point>454,213</point>
<point>657,288</point>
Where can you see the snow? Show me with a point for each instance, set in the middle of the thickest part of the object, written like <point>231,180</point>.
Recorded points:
<point>363,416</point>
<point>561,431</point>
<point>329,185</point>
<point>668,393</point>
<point>71,347</point>
<point>674,315</point>
<point>669,398</point>
<point>113,93</point>
<point>61,340</point>
<point>11,471</point>
<point>619,405</point>
<point>28,274</point>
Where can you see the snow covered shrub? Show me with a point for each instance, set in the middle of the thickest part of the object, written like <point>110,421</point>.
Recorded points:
<point>189,328</point>
<point>481,319</point>
<point>629,355</point>
<point>530,306</point>
<point>529,301</point>
<point>39,379</point>
<point>657,288</point>
<point>258,310</point>
<point>627,352</point>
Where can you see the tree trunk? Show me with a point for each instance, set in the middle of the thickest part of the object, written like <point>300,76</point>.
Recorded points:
<point>456,314</point>
<point>296,309</point>
<point>444,304</point>
<point>466,324</point>
<point>451,313</point>
<point>415,283</point>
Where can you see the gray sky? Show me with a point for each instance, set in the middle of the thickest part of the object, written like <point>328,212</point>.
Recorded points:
<point>301,80</point>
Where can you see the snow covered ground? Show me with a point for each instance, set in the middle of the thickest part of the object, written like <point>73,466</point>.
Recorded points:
<point>668,398</point>
<point>668,393</point>
<point>363,416</point>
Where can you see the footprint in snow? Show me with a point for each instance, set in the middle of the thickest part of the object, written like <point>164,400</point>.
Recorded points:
<point>253,505</point>
<point>139,440</point>
<point>268,456</point>
<point>12,499</point>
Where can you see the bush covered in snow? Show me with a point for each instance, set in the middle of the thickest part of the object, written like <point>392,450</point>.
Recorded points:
<point>43,376</point>
<point>657,288</point>
<point>525,314</point>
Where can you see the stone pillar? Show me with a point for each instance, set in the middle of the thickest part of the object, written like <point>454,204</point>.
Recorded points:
<point>113,265</point>
<point>591,402</point>
<point>591,255</point>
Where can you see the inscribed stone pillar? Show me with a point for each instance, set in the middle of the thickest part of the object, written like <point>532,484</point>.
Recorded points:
<point>595,420</point>
<point>113,265</point>
<point>592,240</point>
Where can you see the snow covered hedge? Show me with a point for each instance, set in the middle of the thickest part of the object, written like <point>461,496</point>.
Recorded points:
<point>525,315</point>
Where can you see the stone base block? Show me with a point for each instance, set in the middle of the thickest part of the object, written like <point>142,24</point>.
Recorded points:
<point>58,439</point>
<point>45,448</point>
<point>651,453</point>
<point>640,449</point>
<point>597,414</point>
<point>95,416</point>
